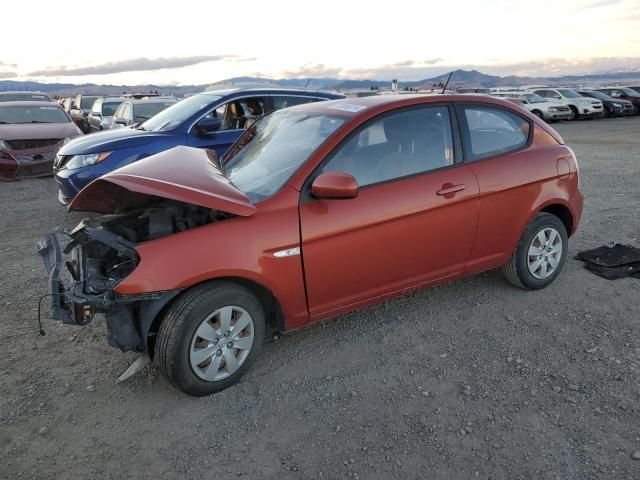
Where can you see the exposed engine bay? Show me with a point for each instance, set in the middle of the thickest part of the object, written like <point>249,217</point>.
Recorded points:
<point>101,254</point>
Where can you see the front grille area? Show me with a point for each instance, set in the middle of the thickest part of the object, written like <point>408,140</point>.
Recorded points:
<point>35,158</point>
<point>32,143</point>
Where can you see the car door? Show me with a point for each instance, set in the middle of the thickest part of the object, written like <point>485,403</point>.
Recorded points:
<point>412,222</point>
<point>233,115</point>
<point>510,175</point>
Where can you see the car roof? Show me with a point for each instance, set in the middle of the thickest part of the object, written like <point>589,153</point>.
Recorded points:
<point>265,91</point>
<point>29,103</point>
<point>124,99</point>
<point>28,92</point>
<point>352,107</point>
<point>136,101</point>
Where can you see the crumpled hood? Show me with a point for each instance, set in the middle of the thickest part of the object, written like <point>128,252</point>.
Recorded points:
<point>185,174</point>
<point>37,131</point>
<point>108,140</point>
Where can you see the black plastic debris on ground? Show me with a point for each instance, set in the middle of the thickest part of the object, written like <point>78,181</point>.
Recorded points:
<point>612,261</point>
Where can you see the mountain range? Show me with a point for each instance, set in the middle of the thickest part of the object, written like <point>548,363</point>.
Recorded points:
<point>460,78</point>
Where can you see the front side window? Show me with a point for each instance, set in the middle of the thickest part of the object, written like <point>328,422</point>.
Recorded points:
<point>396,145</point>
<point>37,114</point>
<point>239,114</point>
<point>275,147</point>
<point>492,131</point>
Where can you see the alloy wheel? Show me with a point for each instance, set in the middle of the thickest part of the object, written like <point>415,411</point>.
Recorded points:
<point>545,253</point>
<point>221,344</point>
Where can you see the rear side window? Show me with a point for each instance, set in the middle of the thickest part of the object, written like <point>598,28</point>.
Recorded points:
<point>493,131</point>
<point>284,101</point>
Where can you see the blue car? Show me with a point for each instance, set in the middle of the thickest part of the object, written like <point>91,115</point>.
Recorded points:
<point>213,119</point>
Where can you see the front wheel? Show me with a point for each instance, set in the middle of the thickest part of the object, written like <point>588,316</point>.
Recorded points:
<point>574,113</point>
<point>540,254</point>
<point>209,337</point>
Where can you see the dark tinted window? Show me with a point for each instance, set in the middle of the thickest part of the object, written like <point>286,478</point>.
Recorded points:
<point>36,114</point>
<point>87,102</point>
<point>396,145</point>
<point>108,108</point>
<point>280,102</point>
<point>493,131</point>
<point>144,111</point>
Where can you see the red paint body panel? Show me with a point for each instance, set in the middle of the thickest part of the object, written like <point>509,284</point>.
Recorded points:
<point>197,181</point>
<point>239,247</point>
<point>391,238</point>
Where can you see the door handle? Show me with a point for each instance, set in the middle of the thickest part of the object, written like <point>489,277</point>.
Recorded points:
<point>448,189</point>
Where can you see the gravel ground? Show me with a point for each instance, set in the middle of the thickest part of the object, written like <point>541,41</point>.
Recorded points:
<point>472,379</point>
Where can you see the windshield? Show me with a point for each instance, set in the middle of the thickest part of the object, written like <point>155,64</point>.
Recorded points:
<point>274,148</point>
<point>533,98</point>
<point>87,102</point>
<point>108,108</point>
<point>144,111</point>
<point>36,114</point>
<point>178,113</point>
<point>569,93</point>
<point>598,95</point>
<point>19,97</point>
<point>630,92</point>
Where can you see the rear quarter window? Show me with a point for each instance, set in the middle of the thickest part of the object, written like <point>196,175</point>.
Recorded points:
<point>492,131</point>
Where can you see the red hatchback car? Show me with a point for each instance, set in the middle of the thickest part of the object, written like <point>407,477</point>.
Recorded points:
<point>316,210</point>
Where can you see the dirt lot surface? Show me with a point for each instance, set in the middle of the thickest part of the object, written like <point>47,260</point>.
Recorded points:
<point>472,379</point>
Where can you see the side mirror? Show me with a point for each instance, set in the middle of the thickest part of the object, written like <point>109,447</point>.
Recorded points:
<point>120,121</point>
<point>208,125</point>
<point>334,185</point>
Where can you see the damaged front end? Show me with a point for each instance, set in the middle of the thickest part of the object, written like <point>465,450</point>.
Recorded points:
<point>100,254</point>
<point>141,202</point>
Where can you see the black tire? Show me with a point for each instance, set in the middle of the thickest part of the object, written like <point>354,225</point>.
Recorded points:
<point>606,113</point>
<point>538,114</point>
<point>516,269</point>
<point>574,111</point>
<point>183,319</point>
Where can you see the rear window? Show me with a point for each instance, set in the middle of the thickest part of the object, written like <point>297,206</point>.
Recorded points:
<point>87,102</point>
<point>36,114</point>
<point>144,111</point>
<point>24,97</point>
<point>494,131</point>
<point>109,108</point>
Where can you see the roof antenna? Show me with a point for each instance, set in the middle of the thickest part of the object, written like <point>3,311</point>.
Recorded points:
<point>446,84</point>
<point>307,84</point>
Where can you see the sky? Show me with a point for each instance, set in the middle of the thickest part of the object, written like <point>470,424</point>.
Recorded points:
<point>201,42</point>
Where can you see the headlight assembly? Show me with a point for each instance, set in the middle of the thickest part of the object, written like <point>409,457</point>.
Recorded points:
<point>80,161</point>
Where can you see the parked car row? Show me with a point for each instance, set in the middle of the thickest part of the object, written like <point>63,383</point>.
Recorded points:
<point>554,104</point>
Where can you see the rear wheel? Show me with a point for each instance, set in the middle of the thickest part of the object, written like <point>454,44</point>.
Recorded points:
<point>538,114</point>
<point>209,337</point>
<point>540,254</point>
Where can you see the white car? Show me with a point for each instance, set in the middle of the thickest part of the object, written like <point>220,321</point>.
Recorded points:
<point>580,106</point>
<point>548,111</point>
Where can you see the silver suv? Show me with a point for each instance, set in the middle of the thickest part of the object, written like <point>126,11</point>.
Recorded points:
<point>580,106</point>
<point>102,112</point>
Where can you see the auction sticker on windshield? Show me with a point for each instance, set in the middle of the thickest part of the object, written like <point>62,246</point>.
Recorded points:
<point>348,107</point>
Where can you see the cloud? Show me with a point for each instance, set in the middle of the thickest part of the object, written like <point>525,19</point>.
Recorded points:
<point>5,75</point>
<point>312,70</point>
<point>10,65</point>
<point>133,65</point>
<point>597,4</point>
